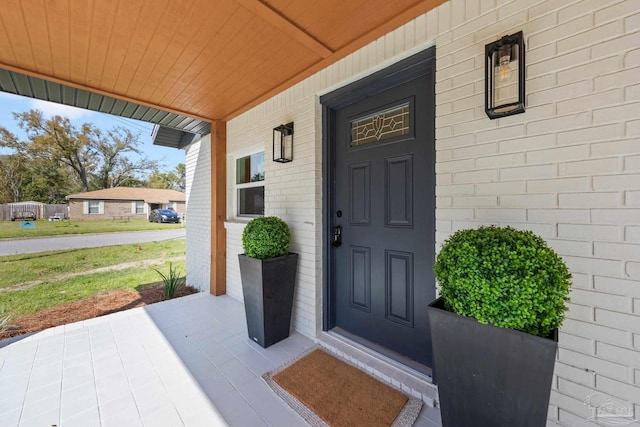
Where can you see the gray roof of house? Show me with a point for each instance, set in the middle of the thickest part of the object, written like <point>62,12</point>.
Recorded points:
<point>171,130</point>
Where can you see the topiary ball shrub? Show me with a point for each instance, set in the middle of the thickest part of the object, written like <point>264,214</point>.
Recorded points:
<point>503,276</point>
<point>266,237</point>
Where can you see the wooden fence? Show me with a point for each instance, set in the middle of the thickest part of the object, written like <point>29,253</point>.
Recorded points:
<point>40,211</point>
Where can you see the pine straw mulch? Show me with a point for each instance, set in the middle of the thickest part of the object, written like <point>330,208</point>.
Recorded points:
<point>99,305</point>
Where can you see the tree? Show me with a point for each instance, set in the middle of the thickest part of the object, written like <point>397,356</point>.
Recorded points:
<point>22,178</point>
<point>56,140</point>
<point>13,173</point>
<point>173,180</point>
<point>116,169</point>
<point>181,172</point>
<point>48,182</point>
<point>93,159</point>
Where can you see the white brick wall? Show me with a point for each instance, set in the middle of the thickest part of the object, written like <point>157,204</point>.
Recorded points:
<point>566,169</point>
<point>292,192</point>
<point>198,215</point>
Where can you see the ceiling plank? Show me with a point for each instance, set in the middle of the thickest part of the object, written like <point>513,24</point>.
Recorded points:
<point>14,22</point>
<point>59,36</point>
<point>79,27</point>
<point>123,29</point>
<point>38,35</point>
<point>289,28</point>
<point>7,54</point>
<point>202,47</point>
<point>145,31</point>
<point>422,6</point>
<point>101,32</point>
<point>153,64</point>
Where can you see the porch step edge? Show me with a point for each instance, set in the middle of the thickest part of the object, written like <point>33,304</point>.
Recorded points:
<point>380,366</point>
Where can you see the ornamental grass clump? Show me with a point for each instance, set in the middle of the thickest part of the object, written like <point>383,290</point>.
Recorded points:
<point>503,276</point>
<point>172,282</point>
<point>266,237</point>
<point>4,323</point>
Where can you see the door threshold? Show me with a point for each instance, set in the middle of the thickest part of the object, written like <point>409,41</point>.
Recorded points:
<point>383,352</point>
<point>410,381</point>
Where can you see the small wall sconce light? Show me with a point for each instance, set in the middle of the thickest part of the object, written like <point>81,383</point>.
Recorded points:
<point>504,76</point>
<point>283,143</point>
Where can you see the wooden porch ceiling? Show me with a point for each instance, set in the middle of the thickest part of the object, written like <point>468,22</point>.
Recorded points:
<point>205,59</point>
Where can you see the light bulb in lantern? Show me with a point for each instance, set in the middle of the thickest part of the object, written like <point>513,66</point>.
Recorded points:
<point>504,68</point>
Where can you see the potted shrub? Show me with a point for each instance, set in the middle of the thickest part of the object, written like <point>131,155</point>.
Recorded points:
<point>503,295</point>
<point>268,273</point>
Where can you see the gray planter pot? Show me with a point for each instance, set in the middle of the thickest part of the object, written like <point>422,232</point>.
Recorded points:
<point>489,376</point>
<point>268,286</point>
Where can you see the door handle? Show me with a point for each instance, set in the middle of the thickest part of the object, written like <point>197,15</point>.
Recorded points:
<point>337,236</point>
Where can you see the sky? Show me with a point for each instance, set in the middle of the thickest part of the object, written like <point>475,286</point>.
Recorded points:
<point>169,157</point>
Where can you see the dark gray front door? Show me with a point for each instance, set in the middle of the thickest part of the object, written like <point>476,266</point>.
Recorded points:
<point>384,202</point>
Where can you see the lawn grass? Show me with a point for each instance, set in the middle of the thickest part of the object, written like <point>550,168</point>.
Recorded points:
<point>11,229</point>
<point>21,268</point>
<point>50,268</point>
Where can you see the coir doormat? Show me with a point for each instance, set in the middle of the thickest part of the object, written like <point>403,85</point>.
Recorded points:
<point>326,391</point>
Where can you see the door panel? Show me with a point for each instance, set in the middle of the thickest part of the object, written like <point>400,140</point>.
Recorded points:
<point>360,278</point>
<point>360,193</point>
<point>399,286</point>
<point>399,191</point>
<point>384,172</point>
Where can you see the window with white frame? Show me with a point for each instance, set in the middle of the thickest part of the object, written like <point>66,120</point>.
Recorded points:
<point>139,206</point>
<point>250,185</point>
<point>94,207</point>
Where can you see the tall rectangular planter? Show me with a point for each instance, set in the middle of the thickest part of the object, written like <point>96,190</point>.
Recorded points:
<point>489,376</point>
<point>268,286</point>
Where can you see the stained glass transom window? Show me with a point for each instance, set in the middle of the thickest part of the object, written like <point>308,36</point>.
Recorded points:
<point>381,125</point>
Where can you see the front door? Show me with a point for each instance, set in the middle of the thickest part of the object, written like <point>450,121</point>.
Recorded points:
<point>382,227</point>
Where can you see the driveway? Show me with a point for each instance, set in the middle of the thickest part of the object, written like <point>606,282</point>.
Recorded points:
<point>39,244</point>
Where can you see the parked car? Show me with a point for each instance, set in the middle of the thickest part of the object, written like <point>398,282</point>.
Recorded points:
<point>163,215</point>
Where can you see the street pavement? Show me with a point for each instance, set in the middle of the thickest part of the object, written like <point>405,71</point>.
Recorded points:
<point>39,244</point>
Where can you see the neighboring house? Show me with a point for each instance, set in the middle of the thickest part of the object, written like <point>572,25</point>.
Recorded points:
<point>123,202</point>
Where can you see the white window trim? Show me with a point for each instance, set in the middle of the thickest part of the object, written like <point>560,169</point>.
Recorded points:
<point>100,207</point>
<point>134,207</point>
<point>238,187</point>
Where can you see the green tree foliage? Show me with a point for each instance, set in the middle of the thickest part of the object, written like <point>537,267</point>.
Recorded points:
<point>114,167</point>
<point>181,172</point>
<point>56,140</point>
<point>27,177</point>
<point>59,158</point>
<point>13,174</point>
<point>172,180</point>
<point>47,182</point>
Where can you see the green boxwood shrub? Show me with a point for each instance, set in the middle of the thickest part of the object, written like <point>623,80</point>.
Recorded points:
<point>503,276</point>
<point>266,237</point>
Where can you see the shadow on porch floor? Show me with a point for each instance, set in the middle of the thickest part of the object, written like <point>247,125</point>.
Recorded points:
<point>185,362</point>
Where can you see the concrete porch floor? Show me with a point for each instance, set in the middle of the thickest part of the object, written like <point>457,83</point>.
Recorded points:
<point>185,362</point>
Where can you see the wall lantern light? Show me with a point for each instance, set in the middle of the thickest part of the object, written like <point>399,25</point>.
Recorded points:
<point>504,76</point>
<point>283,143</point>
